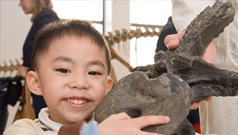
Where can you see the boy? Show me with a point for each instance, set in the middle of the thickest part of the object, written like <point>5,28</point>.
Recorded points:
<point>72,65</point>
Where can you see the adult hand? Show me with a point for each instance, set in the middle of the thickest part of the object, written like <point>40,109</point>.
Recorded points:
<point>172,41</point>
<point>22,71</point>
<point>122,124</point>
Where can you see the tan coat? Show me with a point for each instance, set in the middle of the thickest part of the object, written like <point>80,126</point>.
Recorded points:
<point>28,127</point>
<point>218,116</point>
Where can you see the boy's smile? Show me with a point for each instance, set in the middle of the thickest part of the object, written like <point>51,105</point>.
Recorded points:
<point>76,101</point>
<point>72,76</point>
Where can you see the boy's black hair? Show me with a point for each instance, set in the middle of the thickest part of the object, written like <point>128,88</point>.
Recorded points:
<point>63,28</point>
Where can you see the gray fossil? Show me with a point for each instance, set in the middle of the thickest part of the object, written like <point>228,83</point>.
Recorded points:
<point>178,78</point>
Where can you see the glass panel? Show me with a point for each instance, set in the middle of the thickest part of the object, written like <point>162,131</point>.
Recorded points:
<point>149,12</point>
<point>142,51</point>
<point>80,9</point>
<point>99,27</point>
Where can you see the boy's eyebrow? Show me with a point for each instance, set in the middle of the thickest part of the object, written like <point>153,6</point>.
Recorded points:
<point>64,58</point>
<point>97,62</point>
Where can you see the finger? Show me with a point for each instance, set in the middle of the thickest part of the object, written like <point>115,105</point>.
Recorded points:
<point>172,41</point>
<point>194,106</point>
<point>210,53</point>
<point>145,121</point>
<point>209,99</point>
<point>147,133</point>
<point>120,116</point>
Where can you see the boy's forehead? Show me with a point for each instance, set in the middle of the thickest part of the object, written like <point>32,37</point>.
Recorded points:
<point>63,46</point>
<point>73,40</point>
<point>67,41</point>
<point>59,39</point>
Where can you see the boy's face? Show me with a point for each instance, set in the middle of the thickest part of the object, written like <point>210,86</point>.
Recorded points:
<point>72,77</point>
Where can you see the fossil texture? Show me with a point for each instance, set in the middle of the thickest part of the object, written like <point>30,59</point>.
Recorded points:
<point>178,78</point>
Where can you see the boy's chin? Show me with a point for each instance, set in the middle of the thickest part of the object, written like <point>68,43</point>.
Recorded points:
<point>73,120</point>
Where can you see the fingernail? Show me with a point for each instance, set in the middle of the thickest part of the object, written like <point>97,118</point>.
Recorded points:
<point>167,118</point>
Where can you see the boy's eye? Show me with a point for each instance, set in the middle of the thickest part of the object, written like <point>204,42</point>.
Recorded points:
<point>94,73</point>
<point>62,70</point>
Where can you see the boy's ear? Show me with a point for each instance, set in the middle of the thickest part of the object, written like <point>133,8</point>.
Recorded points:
<point>33,83</point>
<point>109,84</point>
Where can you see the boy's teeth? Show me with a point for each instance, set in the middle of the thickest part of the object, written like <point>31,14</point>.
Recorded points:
<point>76,101</point>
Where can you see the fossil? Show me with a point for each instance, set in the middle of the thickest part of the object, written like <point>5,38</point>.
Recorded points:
<point>178,78</point>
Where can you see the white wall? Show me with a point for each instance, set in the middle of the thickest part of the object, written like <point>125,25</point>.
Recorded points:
<point>14,26</point>
<point>117,17</point>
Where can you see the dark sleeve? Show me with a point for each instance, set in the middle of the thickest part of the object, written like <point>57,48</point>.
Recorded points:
<point>167,30</point>
<point>71,129</point>
<point>193,116</point>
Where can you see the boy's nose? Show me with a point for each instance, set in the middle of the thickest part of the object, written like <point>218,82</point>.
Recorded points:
<point>79,82</point>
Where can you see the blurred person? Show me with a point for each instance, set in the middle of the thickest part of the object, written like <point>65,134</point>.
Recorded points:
<point>42,14</point>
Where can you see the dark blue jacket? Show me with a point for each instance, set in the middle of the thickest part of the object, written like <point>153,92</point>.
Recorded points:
<point>45,16</point>
<point>167,30</point>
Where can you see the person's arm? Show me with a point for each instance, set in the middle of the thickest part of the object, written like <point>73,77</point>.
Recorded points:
<point>116,124</point>
<point>122,124</point>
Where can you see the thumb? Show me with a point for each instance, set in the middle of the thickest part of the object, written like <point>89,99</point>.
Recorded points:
<point>172,41</point>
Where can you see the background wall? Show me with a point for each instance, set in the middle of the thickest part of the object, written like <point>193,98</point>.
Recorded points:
<point>116,19</point>
<point>14,26</point>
